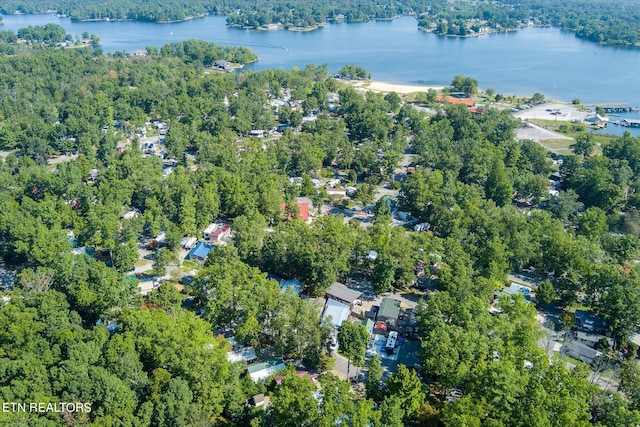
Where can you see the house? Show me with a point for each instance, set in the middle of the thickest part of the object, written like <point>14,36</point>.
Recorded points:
<point>343,294</point>
<point>337,311</point>
<point>244,354</point>
<point>581,352</point>
<point>216,232</point>
<point>589,321</point>
<point>133,213</point>
<point>403,216</point>
<point>199,252</point>
<point>223,65</point>
<point>513,290</point>
<point>591,339</point>
<point>303,212</point>
<point>556,177</point>
<point>220,233</point>
<point>389,312</point>
<point>272,26</point>
<point>263,370</point>
<point>138,52</point>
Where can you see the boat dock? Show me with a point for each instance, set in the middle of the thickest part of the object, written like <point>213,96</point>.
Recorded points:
<point>631,123</point>
<point>615,108</point>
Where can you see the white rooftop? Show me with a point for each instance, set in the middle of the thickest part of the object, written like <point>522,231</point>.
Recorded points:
<point>337,311</point>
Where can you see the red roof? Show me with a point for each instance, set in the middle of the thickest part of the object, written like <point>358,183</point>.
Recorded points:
<point>454,101</point>
<point>381,325</point>
<point>304,210</point>
<point>218,231</point>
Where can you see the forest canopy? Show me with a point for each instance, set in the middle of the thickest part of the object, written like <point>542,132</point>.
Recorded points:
<point>81,198</point>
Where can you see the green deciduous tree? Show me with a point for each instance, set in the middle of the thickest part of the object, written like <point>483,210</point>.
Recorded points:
<point>352,343</point>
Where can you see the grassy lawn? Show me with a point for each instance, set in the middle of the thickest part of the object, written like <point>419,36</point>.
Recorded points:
<point>561,145</point>
<point>553,125</point>
<point>568,359</point>
<point>141,262</point>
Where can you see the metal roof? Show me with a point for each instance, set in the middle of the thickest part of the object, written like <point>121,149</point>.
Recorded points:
<point>340,292</point>
<point>389,308</point>
<point>338,312</point>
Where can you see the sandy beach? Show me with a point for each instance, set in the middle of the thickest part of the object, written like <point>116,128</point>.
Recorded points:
<point>401,89</point>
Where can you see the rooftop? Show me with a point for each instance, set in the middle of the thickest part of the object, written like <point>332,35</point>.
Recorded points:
<point>303,208</point>
<point>245,354</point>
<point>341,292</point>
<point>293,284</point>
<point>262,370</point>
<point>337,311</point>
<point>367,323</point>
<point>389,308</point>
<point>201,250</point>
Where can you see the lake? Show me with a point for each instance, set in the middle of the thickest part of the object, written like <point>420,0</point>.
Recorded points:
<point>545,60</point>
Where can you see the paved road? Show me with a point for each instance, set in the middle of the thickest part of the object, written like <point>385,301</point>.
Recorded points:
<point>540,134</point>
<point>340,368</point>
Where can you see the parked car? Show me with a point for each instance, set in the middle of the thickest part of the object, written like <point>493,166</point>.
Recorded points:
<point>333,345</point>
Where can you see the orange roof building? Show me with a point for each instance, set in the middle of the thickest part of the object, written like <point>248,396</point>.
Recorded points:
<point>302,207</point>
<point>455,101</point>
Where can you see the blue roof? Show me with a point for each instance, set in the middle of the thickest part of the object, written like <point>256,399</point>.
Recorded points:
<point>201,250</point>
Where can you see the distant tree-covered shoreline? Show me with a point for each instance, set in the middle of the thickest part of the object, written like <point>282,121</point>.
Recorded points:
<point>599,21</point>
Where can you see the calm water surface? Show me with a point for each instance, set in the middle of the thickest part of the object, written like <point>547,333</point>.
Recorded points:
<point>544,60</point>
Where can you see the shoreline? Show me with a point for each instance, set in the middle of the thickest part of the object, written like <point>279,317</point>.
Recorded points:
<point>382,86</point>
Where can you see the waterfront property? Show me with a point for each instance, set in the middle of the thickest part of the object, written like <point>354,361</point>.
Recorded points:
<point>632,123</point>
<point>411,56</point>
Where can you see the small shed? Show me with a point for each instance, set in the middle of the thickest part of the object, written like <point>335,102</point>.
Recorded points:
<point>259,400</point>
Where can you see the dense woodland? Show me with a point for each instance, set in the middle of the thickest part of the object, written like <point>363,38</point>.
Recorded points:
<point>598,21</point>
<point>165,365</point>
